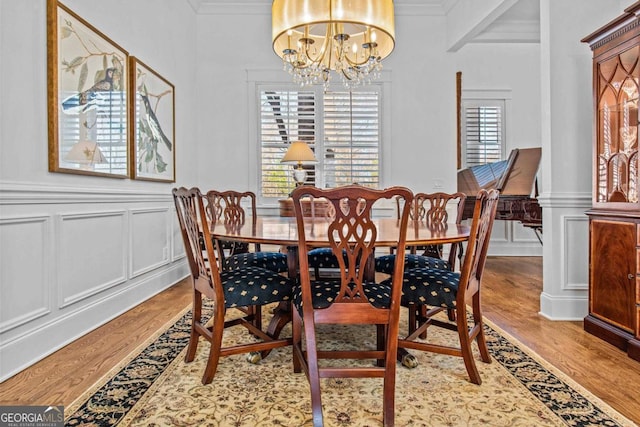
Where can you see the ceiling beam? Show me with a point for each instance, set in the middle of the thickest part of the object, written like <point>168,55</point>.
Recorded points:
<point>466,19</point>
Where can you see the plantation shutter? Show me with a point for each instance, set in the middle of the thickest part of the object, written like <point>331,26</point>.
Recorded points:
<point>351,138</point>
<point>285,116</point>
<point>483,132</point>
<point>111,122</point>
<point>105,123</point>
<point>341,127</point>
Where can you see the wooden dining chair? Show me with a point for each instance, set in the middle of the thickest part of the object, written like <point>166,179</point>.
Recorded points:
<point>443,288</point>
<point>431,208</point>
<point>227,206</point>
<point>245,289</point>
<point>354,299</point>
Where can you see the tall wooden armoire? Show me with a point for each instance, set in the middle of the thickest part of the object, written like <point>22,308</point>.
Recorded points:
<point>614,219</point>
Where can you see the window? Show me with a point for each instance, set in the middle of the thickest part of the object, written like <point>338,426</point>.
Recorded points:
<point>283,114</point>
<point>351,138</point>
<point>342,128</point>
<point>483,131</point>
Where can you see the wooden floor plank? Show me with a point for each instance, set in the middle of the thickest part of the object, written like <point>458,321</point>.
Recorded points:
<point>511,299</point>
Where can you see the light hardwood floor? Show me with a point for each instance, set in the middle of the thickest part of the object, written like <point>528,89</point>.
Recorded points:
<point>512,287</point>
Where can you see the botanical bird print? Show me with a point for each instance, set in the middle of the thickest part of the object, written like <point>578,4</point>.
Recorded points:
<point>154,124</point>
<point>86,100</point>
<point>149,116</point>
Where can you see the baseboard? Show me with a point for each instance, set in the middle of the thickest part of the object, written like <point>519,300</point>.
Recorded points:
<point>29,348</point>
<point>563,308</point>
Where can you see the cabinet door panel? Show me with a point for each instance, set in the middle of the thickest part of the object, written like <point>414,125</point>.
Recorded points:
<point>613,272</point>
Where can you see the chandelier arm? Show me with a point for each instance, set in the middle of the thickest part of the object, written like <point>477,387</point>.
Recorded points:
<point>355,63</point>
<point>323,50</point>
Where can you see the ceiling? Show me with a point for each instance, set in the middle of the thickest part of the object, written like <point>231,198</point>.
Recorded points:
<point>512,21</point>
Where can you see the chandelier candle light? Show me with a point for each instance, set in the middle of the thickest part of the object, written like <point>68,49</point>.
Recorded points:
<point>349,37</point>
<point>299,152</point>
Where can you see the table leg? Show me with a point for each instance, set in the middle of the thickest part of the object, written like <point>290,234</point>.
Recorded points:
<point>407,359</point>
<point>282,312</point>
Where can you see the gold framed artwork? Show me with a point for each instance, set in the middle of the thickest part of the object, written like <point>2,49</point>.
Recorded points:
<point>87,97</point>
<point>152,124</point>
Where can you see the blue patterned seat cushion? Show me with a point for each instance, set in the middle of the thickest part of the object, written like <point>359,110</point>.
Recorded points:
<point>429,286</point>
<point>254,286</point>
<point>385,263</point>
<point>326,291</point>
<point>274,261</point>
<point>323,258</point>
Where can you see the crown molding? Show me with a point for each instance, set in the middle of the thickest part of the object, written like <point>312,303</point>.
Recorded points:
<point>262,7</point>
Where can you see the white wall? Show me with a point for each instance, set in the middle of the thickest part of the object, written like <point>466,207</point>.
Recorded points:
<point>567,145</point>
<point>421,99</point>
<point>76,251</point>
<point>512,69</point>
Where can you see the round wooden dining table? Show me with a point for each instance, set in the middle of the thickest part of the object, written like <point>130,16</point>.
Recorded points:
<point>283,231</point>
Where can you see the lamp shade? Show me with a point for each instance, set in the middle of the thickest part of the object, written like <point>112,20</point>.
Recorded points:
<point>293,20</point>
<point>348,37</point>
<point>85,152</point>
<point>299,152</point>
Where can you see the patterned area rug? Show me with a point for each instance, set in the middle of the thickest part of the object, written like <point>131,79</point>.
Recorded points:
<point>155,387</point>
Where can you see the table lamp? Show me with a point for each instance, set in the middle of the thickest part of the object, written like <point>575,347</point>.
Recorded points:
<point>86,154</point>
<point>299,152</point>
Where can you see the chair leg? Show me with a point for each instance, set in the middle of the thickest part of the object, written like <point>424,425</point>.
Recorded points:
<point>381,341</point>
<point>481,340</point>
<point>423,313</point>
<point>389,387</point>
<point>257,316</point>
<point>215,341</point>
<point>413,321</point>
<point>314,374</point>
<point>196,313</point>
<point>296,335</point>
<point>465,346</point>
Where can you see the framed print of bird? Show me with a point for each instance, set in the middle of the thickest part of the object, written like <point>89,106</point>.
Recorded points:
<point>88,97</point>
<point>152,124</point>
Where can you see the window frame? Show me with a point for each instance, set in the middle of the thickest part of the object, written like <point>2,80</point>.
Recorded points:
<point>258,80</point>
<point>488,97</point>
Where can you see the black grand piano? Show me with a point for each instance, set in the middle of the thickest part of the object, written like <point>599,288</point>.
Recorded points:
<point>515,178</point>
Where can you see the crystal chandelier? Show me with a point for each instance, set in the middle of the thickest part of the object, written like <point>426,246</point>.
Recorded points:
<point>349,37</point>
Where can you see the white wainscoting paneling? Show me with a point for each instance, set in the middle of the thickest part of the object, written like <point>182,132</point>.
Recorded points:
<point>66,261</point>
<point>510,238</point>
<point>149,239</point>
<point>91,254</point>
<point>25,267</point>
<point>575,250</point>
<point>177,244</point>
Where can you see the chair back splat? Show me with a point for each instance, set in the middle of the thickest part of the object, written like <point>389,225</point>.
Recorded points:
<point>227,206</point>
<point>444,289</point>
<point>353,299</point>
<point>245,289</point>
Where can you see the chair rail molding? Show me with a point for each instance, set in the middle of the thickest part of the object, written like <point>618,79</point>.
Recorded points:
<point>19,193</point>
